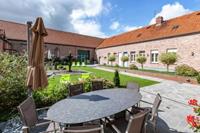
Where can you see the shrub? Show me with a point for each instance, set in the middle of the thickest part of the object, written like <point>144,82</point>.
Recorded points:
<point>12,80</point>
<point>141,60</point>
<point>55,91</point>
<point>111,58</point>
<point>133,67</point>
<point>185,70</point>
<point>124,59</point>
<point>116,79</point>
<point>116,65</point>
<point>198,78</point>
<point>51,94</point>
<point>168,59</point>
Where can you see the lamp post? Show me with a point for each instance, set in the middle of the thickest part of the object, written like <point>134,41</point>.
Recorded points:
<point>29,39</point>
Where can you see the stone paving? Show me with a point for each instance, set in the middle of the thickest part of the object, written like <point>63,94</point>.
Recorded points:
<point>174,107</point>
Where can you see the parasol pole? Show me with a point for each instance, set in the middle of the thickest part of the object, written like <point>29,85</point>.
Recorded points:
<point>29,39</point>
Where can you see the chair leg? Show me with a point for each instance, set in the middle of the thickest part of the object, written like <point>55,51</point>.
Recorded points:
<point>25,129</point>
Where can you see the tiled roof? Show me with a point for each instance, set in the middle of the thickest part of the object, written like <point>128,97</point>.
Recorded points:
<point>182,25</point>
<point>17,31</point>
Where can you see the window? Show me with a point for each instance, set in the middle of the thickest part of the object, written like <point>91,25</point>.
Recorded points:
<point>171,50</point>
<point>154,56</point>
<point>133,56</point>
<point>142,53</point>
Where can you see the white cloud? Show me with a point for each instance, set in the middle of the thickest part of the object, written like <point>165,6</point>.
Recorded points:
<point>129,28</point>
<point>70,15</point>
<point>170,11</point>
<point>115,25</point>
<point>118,27</point>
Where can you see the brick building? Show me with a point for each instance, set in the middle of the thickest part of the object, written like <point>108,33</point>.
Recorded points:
<point>57,43</point>
<point>180,35</point>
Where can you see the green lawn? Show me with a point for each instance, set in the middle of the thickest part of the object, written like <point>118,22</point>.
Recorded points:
<point>124,79</point>
<point>146,70</point>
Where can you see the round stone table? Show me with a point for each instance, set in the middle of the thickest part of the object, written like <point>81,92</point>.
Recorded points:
<point>92,105</point>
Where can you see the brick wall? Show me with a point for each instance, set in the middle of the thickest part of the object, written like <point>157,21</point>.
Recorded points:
<point>64,50</point>
<point>188,50</point>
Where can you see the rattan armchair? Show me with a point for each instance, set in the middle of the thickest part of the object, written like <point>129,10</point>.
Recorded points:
<point>133,86</point>
<point>154,111</point>
<point>97,85</point>
<point>136,123</point>
<point>84,129</point>
<point>75,89</point>
<point>29,117</point>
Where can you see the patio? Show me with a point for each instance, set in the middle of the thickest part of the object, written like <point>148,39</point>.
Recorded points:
<point>174,103</point>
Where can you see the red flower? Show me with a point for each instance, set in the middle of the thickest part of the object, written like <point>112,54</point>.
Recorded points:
<point>191,120</point>
<point>193,102</point>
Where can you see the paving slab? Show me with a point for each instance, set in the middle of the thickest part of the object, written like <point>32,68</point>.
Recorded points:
<point>174,107</point>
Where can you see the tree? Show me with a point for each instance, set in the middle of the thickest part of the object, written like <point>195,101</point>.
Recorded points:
<point>116,79</point>
<point>70,62</point>
<point>168,59</point>
<point>124,59</point>
<point>111,58</point>
<point>141,59</point>
<point>13,69</point>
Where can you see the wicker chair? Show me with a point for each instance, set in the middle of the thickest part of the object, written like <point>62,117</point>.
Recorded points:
<point>29,117</point>
<point>85,129</point>
<point>136,123</point>
<point>133,86</point>
<point>154,111</point>
<point>75,89</point>
<point>97,85</point>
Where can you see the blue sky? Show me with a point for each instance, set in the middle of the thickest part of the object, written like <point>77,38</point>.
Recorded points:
<point>102,18</point>
<point>139,13</point>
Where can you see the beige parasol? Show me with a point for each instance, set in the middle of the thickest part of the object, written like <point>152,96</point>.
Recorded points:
<point>36,75</point>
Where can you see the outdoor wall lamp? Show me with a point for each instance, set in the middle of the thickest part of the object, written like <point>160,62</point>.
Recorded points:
<point>192,53</point>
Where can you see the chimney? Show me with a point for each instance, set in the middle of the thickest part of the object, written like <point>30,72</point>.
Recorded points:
<point>159,21</point>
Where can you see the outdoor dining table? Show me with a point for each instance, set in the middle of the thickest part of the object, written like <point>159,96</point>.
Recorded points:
<point>92,105</point>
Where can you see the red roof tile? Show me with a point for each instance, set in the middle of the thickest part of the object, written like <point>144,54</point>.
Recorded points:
<point>17,31</point>
<point>182,25</point>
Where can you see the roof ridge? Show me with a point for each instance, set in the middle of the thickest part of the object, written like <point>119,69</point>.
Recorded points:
<point>155,24</point>
<point>53,29</point>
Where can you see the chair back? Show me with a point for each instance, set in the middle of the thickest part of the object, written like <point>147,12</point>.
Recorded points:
<point>75,89</point>
<point>84,129</point>
<point>155,107</point>
<point>137,122</point>
<point>28,114</point>
<point>97,85</point>
<point>133,86</point>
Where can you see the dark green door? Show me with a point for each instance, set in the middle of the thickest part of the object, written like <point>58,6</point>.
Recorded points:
<point>83,55</point>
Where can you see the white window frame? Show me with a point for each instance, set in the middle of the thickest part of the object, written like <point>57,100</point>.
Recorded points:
<point>172,50</point>
<point>153,58</point>
<point>142,53</point>
<point>132,53</point>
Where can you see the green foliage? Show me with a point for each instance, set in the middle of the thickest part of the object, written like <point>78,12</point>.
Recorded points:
<point>168,59</point>
<point>12,80</point>
<point>57,91</point>
<point>116,65</point>
<point>185,70</point>
<point>198,78</point>
<point>54,92</point>
<point>133,67</point>
<point>116,79</point>
<point>111,58</point>
<point>141,59</point>
<point>124,59</point>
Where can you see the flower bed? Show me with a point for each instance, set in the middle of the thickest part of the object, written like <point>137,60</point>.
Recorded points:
<point>194,120</point>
